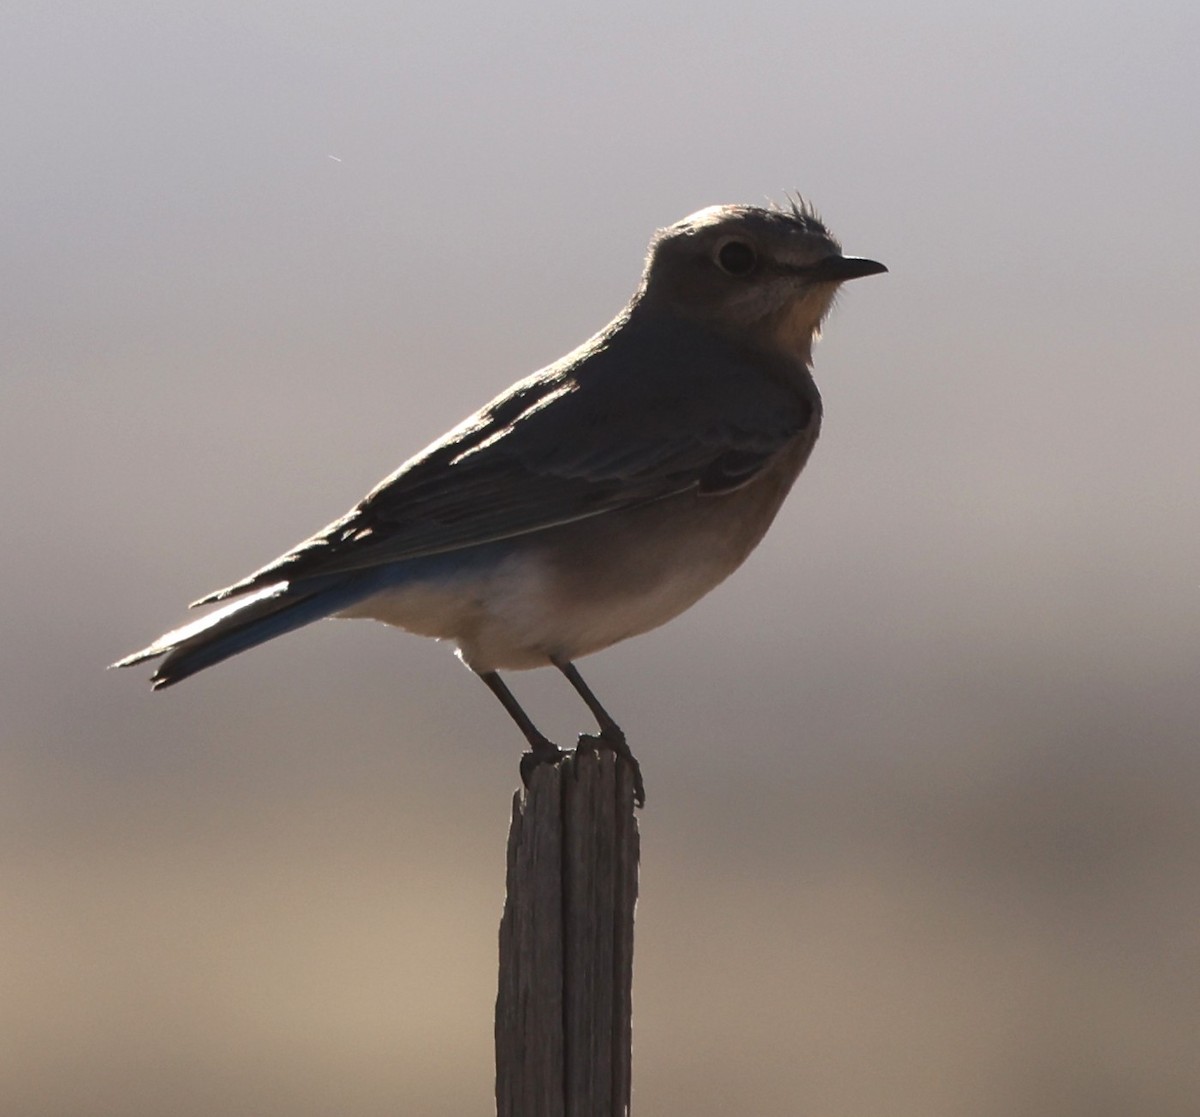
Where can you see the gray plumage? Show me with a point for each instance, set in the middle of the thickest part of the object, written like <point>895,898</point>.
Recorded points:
<point>595,499</point>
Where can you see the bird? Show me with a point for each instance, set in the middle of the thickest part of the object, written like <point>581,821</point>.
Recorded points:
<point>591,501</point>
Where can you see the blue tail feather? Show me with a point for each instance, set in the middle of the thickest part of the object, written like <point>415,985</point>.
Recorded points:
<point>245,624</point>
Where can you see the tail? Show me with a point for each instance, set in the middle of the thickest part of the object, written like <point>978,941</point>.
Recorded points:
<point>253,620</point>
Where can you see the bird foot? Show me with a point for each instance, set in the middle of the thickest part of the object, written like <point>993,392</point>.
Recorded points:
<point>545,753</point>
<point>615,742</point>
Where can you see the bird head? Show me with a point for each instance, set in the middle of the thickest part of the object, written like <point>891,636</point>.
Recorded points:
<point>763,276</point>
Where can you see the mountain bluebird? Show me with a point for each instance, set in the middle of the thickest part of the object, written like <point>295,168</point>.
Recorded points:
<point>591,501</point>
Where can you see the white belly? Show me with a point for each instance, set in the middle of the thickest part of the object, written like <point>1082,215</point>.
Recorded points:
<point>516,616</point>
<point>572,590</point>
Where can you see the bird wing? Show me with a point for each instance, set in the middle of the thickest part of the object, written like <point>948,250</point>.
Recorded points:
<point>639,413</point>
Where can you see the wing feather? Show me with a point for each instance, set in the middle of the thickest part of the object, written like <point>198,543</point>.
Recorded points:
<point>641,412</point>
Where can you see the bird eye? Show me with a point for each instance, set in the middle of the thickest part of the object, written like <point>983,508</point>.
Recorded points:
<point>736,257</point>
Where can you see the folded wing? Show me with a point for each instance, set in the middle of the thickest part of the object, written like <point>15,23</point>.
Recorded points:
<point>600,430</point>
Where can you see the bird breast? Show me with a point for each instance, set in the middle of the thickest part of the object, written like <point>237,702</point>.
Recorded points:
<point>577,588</point>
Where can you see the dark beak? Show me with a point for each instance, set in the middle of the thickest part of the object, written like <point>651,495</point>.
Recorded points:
<point>837,269</point>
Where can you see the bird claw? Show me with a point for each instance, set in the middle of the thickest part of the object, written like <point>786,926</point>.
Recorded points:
<point>615,741</point>
<point>549,753</point>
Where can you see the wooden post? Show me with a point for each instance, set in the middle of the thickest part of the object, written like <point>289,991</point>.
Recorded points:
<point>564,1005</point>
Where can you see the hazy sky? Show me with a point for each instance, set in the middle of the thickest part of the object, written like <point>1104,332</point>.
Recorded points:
<point>922,833</point>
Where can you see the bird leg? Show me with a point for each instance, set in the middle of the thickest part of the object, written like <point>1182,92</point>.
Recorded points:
<point>542,750</point>
<point>611,735</point>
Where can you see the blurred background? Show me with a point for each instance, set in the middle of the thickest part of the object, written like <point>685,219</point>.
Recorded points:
<point>922,834</point>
